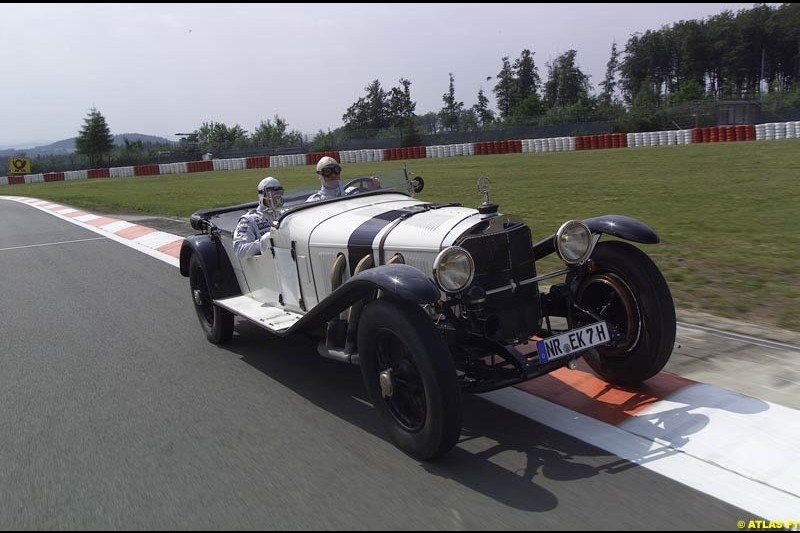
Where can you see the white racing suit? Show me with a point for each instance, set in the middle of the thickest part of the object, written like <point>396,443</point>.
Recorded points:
<point>251,227</point>
<point>326,193</point>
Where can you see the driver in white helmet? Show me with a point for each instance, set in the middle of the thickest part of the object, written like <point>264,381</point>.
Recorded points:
<point>251,236</point>
<point>330,173</point>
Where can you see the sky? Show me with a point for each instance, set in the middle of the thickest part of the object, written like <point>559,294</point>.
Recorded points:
<point>161,69</point>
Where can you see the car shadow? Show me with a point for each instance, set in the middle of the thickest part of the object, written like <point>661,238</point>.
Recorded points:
<point>665,410</point>
<point>501,454</point>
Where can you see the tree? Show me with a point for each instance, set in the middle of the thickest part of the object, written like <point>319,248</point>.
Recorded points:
<point>216,136</point>
<point>400,106</point>
<point>451,112</point>
<point>132,152</point>
<point>370,112</point>
<point>377,106</point>
<point>275,135</point>
<point>690,91</point>
<point>269,134</point>
<point>527,77</point>
<point>505,89</point>
<point>532,106</point>
<point>410,136</point>
<point>94,139</point>
<point>567,84</point>
<point>609,84</point>
<point>483,114</point>
<point>429,122</point>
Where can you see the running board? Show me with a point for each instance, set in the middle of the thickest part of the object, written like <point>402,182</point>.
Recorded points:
<point>274,319</point>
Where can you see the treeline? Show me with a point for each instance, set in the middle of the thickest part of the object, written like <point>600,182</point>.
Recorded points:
<point>727,56</point>
<point>751,54</point>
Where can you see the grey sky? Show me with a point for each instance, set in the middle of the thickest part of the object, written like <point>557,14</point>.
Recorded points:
<point>159,69</point>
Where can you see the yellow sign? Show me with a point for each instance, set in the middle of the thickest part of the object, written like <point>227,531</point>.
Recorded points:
<point>19,165</point>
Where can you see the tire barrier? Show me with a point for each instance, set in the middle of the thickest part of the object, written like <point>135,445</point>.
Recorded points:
<point>53,176</point>
<point>658,138</point>
<point>98,173</point>
<point>238,163</point>
<point>71,175</point>
<point>361,156</point>
<point>742,132</point>
<point>121,172</point>
<point>314,157</point>
<point>145,170</point>
<point>200,166</point>
<point>602,141</point>
<point>777,130</point>
<point>259,161</point>
<point>172,168</point>
<point>498,147</point>
<point>749,132</point>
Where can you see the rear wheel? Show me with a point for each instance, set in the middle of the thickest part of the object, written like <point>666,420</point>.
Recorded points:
<point>410,377</point>
<point>629,292</point>
<point>217,323</point>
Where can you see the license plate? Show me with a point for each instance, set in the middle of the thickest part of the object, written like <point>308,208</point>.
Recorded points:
<point>572,341</point>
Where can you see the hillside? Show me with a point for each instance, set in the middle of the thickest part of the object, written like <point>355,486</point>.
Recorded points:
<point>67,146</point>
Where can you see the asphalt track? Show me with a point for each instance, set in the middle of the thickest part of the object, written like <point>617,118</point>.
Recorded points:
<point>722,421</point>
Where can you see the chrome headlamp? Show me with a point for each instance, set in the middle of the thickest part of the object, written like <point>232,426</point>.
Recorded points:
<point>453,269</point>
<point>573,242</point>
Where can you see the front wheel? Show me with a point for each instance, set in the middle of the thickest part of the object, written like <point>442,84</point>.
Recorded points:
<point>629,292</point>
<point>410,377</point>
<point>217,323</point>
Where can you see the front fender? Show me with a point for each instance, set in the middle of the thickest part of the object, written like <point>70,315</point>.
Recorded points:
<point>403,282</point>
<point>214,261</point>
<point>622,226</point>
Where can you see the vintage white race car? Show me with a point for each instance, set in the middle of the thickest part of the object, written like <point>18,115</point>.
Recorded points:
<point>431,299</point>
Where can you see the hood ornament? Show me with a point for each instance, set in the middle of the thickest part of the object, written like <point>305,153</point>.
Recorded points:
<point>487,207</point>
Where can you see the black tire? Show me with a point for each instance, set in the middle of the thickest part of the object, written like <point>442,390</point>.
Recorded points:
<point>423,415</point>
<point>628,290</point>
<point>217,323</point>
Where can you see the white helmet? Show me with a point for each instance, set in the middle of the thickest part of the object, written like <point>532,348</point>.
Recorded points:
<point>270,192</point>
<point>268,183</point>
<point>326,162</point>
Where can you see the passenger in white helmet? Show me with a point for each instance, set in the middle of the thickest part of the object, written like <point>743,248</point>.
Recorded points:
<point>330,172</point>
<point>251,236</point>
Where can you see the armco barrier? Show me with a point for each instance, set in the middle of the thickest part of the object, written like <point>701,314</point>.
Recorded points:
<point>16,180</point>
<point>53,176</point>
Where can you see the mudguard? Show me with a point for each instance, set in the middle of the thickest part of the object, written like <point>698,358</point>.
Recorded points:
<point>214,261</point>
<point>622,226</point>
<point>400,281</point>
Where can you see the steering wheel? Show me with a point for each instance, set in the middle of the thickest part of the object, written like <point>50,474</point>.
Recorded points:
<point>364,183</point>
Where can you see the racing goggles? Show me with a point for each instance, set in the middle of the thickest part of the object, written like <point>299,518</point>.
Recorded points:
<point>271,191</point>
<point>327,171</point>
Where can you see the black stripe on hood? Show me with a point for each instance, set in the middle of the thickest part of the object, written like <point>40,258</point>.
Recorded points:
<point>360,242</point>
